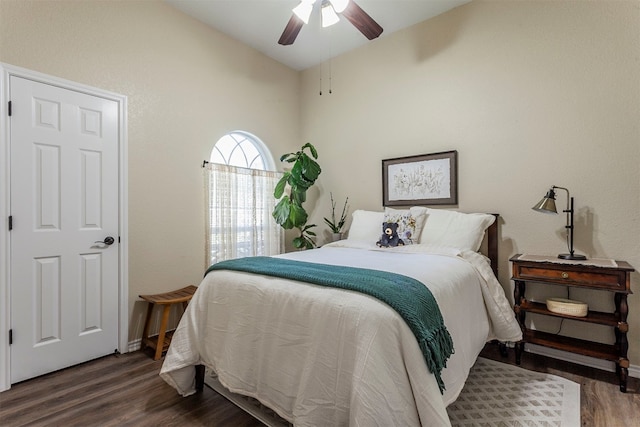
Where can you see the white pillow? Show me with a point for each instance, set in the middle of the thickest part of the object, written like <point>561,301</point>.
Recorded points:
<point>366,225</point>
<point>410,222</point>
<point>456,229</point>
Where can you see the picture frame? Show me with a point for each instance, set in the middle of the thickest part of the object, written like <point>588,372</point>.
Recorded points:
<point>427,179</point>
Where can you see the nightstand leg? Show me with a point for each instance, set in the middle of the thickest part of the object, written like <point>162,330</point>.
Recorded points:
<point>519,348</point>
<point>518,296</point>
<point>622,343</point>
<point>624,373</point>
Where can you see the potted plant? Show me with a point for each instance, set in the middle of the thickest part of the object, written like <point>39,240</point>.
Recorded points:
<point>336,224</point>
<point>289,212</point>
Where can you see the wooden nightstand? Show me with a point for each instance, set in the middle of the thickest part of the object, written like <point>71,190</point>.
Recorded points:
<point>613,277</point>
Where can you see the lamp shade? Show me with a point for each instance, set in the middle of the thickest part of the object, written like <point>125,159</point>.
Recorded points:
<point>547,204</point>
<point>303,10</point>
<point>329,16</point>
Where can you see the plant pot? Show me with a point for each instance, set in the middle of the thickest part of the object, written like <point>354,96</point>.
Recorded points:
<point>336,236</point>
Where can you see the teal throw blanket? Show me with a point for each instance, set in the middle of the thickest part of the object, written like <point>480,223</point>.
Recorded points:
<point>408,296</point>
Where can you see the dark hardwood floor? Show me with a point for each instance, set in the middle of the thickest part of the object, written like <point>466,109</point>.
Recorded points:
<point>117,390</point>
<point>125,390</point>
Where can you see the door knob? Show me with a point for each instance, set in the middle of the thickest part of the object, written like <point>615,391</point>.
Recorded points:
<point>107,241</point>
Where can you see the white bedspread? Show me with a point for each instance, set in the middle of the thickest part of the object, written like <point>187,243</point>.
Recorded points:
<point>321,356</point>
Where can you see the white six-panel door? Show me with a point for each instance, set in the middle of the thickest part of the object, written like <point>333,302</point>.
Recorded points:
<point>64,202</point>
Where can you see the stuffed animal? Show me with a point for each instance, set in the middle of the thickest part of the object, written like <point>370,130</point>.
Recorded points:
<point>389,235</point>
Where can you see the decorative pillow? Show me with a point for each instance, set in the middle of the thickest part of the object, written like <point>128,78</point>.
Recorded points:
<point>365,225</point>
<point>455,229</point>
<point>410,222</point>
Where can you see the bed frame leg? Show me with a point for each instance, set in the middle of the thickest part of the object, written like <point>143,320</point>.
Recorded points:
<point>503,349</point>
<point>199,378</point>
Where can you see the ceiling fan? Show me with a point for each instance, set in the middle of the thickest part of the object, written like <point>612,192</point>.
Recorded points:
<point>330,10</point>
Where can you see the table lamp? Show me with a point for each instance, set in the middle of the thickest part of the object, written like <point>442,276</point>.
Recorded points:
<point>548,205</point>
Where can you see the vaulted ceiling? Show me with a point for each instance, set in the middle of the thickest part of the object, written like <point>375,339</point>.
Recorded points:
<point>259,24</point>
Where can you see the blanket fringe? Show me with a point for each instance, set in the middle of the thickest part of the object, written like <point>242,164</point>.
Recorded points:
<point>437,349</point>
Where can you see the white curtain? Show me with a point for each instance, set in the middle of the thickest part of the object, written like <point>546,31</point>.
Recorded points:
<point>239,203</point>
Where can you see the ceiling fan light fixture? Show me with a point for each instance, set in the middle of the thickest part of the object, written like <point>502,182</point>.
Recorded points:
<point>329,10</point>
<point>339,5</point>
<point>303,10</point>
<point>329,16</point>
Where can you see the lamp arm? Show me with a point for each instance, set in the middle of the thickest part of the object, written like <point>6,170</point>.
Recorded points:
<point>569,226</point>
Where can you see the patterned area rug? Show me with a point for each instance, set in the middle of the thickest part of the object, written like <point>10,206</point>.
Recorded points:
<point>495,395</point>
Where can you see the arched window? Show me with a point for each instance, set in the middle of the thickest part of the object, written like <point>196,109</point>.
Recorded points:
<point>243,150</point>
<point>240,179</point>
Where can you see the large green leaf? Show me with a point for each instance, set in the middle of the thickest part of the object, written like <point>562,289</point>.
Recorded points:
<point>279,190</point>
<point>303,242</point>
<point>297,215</point>
<point>281,213</point>
<point>297,177</point>
<point>311,148</point>
<point>287,157</point>
<point>298,195</point>
<point>310,169</point>
<point>299,242</point>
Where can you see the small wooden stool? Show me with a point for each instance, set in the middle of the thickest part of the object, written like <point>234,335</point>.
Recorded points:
<point>161,342</point>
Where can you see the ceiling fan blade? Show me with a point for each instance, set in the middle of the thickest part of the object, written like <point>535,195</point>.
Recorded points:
<point>362,21</point>
<point>291,30</point>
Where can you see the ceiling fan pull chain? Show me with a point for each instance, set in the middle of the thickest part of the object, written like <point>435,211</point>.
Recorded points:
<point>320,51</point>
<point>330,70</point>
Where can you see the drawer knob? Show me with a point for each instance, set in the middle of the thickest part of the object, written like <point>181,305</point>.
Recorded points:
<point>565,275</point>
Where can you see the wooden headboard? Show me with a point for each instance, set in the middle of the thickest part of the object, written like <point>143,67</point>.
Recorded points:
<point>492,244</point>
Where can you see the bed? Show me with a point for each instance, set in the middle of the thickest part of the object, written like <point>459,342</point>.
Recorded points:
<point>320,355</point>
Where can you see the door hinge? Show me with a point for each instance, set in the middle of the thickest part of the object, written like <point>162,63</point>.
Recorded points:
<point>9,108</point>
<point>10,336</point>
<point>10,222</point>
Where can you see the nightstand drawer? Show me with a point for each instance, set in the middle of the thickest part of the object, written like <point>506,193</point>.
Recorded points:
<point>596,277</point>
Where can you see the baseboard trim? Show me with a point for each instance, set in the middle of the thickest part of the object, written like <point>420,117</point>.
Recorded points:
<point>134,345</point>
<point>634,371</point>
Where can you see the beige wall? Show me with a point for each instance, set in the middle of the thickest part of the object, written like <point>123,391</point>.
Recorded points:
<point>530,94</point>
<point>186,85</point>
